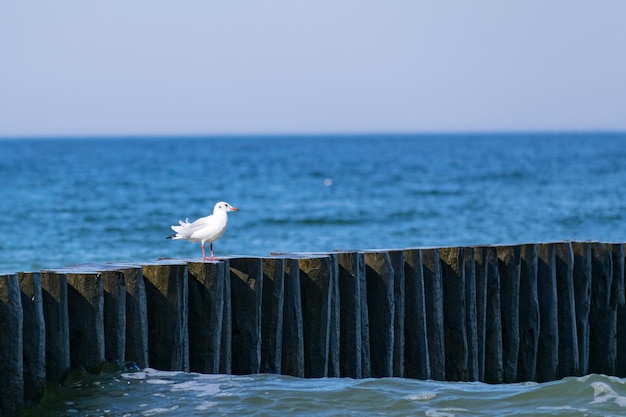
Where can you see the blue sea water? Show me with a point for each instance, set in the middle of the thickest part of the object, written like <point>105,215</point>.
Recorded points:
<point>69,201</point>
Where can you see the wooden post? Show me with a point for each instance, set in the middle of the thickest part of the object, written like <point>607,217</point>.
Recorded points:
<point>433,291</point>
<point>293,340</point>
<point>399,296</point>
<point>481,268</point>
<point>167,295</point>
<point>114,288</point>
<point>226,344</point>
<point>334,368</point>
<point>272,314</point>
<point>417,360</point>
<point>381,311</point>
<point>618,290</point>
<point>509,260</point>
<point>246,281</point>
<point>618,270</point>
<point>55,312</point>
<point>582,300</point>
<point>490,280</point>
<point>529,314</point>
<point>11,346</point>
<point>136,349</point>
<point>206,312</point>
<point>316,284</point>
<point>548,344</point>
<point>86,319</point>
<point>569,358</point>
<point>602,313</point>
<point>351,275</point>
<point>34,336</point>
<point>455,311</point>
<point>471,318</point>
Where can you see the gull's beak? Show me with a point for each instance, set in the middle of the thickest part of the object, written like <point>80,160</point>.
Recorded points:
<point>234,209</point>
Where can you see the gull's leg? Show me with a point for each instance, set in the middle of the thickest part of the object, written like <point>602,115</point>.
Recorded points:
<point>211,247</point>
<point>203,255</point>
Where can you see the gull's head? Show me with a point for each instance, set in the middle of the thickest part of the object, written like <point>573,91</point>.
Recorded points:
<point>224,207</point>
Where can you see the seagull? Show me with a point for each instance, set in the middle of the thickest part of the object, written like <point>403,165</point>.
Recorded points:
<point>205,229</point>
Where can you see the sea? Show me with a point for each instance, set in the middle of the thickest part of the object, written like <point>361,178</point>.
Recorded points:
<point>68,201</point>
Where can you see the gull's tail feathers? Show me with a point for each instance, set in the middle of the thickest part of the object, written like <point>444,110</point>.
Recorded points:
<point>180,232</point>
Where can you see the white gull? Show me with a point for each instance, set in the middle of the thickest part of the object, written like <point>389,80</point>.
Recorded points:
<point>205,229</point>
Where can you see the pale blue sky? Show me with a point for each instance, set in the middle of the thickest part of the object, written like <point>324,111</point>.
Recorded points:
<point>211,67</point>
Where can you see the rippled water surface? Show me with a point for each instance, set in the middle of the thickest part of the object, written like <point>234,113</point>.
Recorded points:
<point>157,393</point>
<point>99,200</point>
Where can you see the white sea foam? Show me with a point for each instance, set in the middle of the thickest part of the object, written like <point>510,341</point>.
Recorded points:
<point>563,408</point>
<point>617,380</point>
<point>156,381</point>
<point>162,374</point>
<point>602,393</point>
<point>134,375</point>
<point>444,412</point>
<point>150,373</point>
<point>202,389</point>
<point>158,410</point>
<point>422,396</point>
<point>206,405</point>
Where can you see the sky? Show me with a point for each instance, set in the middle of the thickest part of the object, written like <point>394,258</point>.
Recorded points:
<point>205,67</point>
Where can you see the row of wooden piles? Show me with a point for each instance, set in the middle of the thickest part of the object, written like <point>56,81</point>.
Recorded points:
<point>531,312</point>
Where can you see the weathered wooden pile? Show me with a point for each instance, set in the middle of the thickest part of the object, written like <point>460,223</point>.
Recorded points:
<point>531,312</point>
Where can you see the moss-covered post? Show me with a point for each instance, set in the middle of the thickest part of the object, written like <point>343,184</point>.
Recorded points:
<point>206,311</point>
<point>454,312</point>
<point>509,260</point>
<point>417,360</point>
<point>167,295</point>
<point>246,280</point>
<point>55,312</point>
<point>11,347</point>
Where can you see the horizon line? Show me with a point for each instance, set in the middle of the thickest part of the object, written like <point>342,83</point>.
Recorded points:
<point>295,135</point>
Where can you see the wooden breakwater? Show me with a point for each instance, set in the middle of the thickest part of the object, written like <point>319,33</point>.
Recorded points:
<point>532,312</point>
